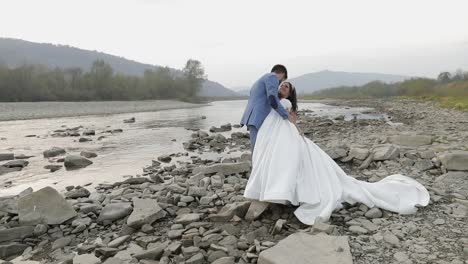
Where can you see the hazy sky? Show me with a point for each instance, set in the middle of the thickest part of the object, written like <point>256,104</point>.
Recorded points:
<point>239,40</point>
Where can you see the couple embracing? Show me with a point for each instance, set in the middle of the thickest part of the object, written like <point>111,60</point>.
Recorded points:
<point>288,168</point>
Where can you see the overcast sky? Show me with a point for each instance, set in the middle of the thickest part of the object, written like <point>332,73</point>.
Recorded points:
<point>239,40</point>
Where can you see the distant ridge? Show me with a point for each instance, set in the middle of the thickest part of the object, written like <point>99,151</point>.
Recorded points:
<point>315,81</point>
<point>15,52</point>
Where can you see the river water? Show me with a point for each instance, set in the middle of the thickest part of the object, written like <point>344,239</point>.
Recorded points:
<point>125,153</point>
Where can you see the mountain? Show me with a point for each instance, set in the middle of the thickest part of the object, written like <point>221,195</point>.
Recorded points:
<point>15,52</point>
<point>312,82</point>
<point>241,90</point>
<point>214,89</point>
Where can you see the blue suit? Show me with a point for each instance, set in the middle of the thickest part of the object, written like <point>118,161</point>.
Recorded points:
<point>263,97</point>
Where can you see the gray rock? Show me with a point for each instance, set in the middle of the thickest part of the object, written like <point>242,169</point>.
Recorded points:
<point>53,152</point>
<point>81,221</point>
<point>115,211</point>
<point>216,181</point>
<point>391,239</point>
<point>187,218</point>
<point>53,168</point>
<point>386,152</point>
<point>255,210</point>
<point>196,259</point>
<point>374,213</point>
<point>197,191</point>
<point>62,242</point>
<point>154,252</point>
<point>456,160</point>
<point>40,229</point>
<point>165,158</point>
<point>400,257</point>
<point>224,168</point>
<point>86,259</point>
<point>129,120</point>
<point>5,170</point>
<point>90,208</point>
<point>229,210</point>
<point>223,128</point>
<point>7,156</point>
<point>9,205</point>
<point>74,162</point>
<point>423,165</point>
<point>77,193</point>
<point>174,234</point>
<point>357,230</point>
<point>88,154</point>
<point>89,132</point>
<point>145,211</point>
<point>114,260</point>
<point>454,181</point>
<point>16,233</point>
<point>301,248</point>
<point>45,206</point>
<point>118,241</point>
<point>224,260</point>
<point>16,164</point>
<point>12,249</point>
<point>359,153</point>
<point>410,140</point>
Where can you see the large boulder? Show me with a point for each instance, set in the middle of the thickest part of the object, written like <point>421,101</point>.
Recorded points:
<point>301,248</point>
<point>386,152</point>
<point>224,168</point>
<point>115,211</point>
<point>145,211</point>
<point>45,206</point>
<point>53,152</point>
<point>74,162</point>
<point>456,160</point>
<point>410,140</point>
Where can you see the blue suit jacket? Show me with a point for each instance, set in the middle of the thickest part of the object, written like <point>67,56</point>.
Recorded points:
<point>263,97</point>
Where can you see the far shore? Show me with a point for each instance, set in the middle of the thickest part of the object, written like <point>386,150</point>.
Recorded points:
<point>37,110</point>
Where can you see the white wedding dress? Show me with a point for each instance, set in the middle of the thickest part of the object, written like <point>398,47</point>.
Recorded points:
<point>289,168</point>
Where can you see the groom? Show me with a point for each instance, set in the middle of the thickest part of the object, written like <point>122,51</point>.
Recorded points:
<point>264,97</point>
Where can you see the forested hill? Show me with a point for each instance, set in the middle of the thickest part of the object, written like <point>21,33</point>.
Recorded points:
<point>16,52</point>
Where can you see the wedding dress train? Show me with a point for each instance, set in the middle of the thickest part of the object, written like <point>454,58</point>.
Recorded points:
<point>287,167</point>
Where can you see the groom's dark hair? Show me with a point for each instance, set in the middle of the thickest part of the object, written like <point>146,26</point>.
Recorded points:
<point>278,68</point>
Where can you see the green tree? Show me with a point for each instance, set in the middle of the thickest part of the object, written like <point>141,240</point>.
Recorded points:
<point>195,75</point>
<point>444,77</point>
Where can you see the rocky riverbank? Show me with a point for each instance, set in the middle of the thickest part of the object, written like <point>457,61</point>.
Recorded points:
<point>192,210</point>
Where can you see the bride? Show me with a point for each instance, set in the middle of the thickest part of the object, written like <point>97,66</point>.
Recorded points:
<point>289,168</point>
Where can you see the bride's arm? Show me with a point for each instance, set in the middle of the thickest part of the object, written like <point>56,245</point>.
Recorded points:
<point>293,119</point>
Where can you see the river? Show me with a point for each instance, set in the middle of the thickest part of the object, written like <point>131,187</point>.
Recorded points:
<point>121,154</point>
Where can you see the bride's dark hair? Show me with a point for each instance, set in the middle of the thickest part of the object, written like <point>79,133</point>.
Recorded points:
<point>292,97</point>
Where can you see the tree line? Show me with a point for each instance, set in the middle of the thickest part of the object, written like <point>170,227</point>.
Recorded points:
<point>40,83</point>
